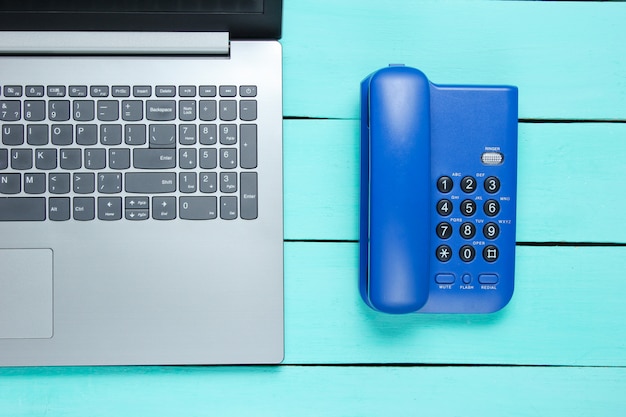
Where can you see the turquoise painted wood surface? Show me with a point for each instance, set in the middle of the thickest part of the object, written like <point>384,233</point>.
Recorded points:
<point>568,173</point>
<point>558,349</point>
<point>565,57</point>
<point>312,391</point>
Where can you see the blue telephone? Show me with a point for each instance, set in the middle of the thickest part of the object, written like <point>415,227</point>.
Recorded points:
<point>438,194</point>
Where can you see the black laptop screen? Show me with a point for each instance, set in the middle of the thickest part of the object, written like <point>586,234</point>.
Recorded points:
<point>242,18</point>
<point>136,6</point>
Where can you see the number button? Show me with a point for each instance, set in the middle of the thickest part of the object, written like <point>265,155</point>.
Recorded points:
<point>468,230</point>
<point>444,184</point>
<point>467,253</point>
<point>492,185</point>
<point>228,158</point>
<point>444,207</point>
<point>444,230</point>
<point>444,253</point>
<point>492,208</point>
<point>468,184</point>
<point>491,230</point>
<point>468,207</point>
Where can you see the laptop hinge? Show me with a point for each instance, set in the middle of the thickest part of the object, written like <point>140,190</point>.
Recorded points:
<point>114,43</point>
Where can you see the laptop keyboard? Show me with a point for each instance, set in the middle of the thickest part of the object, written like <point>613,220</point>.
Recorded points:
<point>128,152</point>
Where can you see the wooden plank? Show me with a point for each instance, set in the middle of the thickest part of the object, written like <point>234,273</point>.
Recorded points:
<point>312,391</point>
<point>566,58</point>
<point>568,309</point>
<point>569,177</point>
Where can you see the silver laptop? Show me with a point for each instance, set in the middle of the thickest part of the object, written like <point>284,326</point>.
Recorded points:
<point>141,213</point>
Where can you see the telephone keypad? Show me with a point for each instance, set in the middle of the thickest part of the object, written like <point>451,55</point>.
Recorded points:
<point>467,229</point>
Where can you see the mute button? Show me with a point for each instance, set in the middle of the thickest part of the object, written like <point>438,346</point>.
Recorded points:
<point>444,278</point>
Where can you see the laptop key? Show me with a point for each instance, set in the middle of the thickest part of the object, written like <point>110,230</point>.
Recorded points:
<point>228,210</point>
<point>160,110</point>
<point>228,91</point>
<point>35,183</point>
<point>34,91</point>
<point>165,91</point>
<point>150,182</point>
<point>83,110</point>
<point>13,91</point>
<point>59,110</point>
<point>21,158</point>
<point>154,158</point>
<point>110,183</point>
<point>164,208</point>
<point>249,200</point>
<point>109,208</point>
<point>108,110</point>
<point>163,136</point>
<point>12,134</point>
<point>132,110</point>
<point>10,110</point>
<point>228,110</point>
<point>84,208</point>
<point>59,183</point>
<point>10,183</point>
<point>198,208</point>
<point>247,110</point>
<point>22,208</point>
<point>59,208</point>
<point>248,146</point>
<point>56,91</point>
<point>37,134</point>
<point>4,159</point>
<point>99,91</point>
<point>247,91</point>
<point>142,91</point>
<point>78,91</point>
<point>34,110</point>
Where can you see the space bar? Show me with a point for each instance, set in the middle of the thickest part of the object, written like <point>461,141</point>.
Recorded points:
<point>15,209</point>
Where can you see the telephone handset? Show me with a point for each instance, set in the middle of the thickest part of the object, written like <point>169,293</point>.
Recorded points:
<point>438,194</point>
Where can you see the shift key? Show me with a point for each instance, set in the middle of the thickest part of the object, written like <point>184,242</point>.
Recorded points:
<point>150,182</point>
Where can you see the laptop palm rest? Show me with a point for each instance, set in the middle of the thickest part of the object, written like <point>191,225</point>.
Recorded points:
<point>26,293</point>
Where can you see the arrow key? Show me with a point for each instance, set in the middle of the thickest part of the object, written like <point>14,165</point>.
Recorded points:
<point>141,214</point>
<point>109,208</point>
<point>163,208</point>
<point>135,203</point>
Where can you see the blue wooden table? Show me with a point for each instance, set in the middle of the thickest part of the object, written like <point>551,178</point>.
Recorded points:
<point>559,347</point>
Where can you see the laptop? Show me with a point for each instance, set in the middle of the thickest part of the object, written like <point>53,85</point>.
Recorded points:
<point>141,208</point>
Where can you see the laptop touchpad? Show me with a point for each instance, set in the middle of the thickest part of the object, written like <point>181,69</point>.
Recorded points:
<point>25,293</point>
